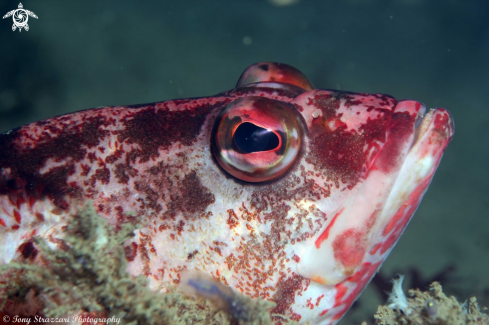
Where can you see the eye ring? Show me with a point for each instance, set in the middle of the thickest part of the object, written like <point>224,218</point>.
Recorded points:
<point>256,139</point>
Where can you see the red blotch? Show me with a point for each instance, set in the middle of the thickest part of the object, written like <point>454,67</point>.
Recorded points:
<point>441,121</point>
<point>325,233</point>
<point>2,222</point>
<point>17,216</point>
<point>319,300</point>
<point>396,219</point>
<point>349,248</point>
<point>375,249</point>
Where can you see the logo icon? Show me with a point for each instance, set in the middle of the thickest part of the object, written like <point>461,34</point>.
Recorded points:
<point>20,17</point>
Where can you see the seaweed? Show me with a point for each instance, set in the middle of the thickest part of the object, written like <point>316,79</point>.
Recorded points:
<point>428,307</point>
<point>85,276</point>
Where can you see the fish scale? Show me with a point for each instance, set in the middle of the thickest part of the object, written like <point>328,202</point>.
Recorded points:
<point>305,225</point>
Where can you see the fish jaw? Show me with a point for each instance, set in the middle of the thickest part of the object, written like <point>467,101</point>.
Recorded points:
<point>365,228</point>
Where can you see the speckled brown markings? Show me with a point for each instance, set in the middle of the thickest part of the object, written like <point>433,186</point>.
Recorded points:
<point>260,257</point>
<point>232,220</point>
<point>123,172</point>
<point>151,196</point>
<point>61,140</point>
<point>184,195</point>
<point>153,129</point>
<point>287,288</point>
<point>70,142</point>
<point>102,175</point>
<point>340,153</point>
<point>194,196</point>
<point>292,188</point>
<point>192,254</point>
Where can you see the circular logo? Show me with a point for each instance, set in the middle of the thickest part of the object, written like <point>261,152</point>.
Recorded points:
<point>6,318</point>
<point>20,18</point>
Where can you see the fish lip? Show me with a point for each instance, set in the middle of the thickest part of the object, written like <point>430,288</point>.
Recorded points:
<point>445,126</point>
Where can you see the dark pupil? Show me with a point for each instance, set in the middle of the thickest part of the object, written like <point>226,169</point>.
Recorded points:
<point>251,138</point>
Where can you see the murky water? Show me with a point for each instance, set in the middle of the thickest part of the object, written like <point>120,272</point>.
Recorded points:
<point>83,54</point>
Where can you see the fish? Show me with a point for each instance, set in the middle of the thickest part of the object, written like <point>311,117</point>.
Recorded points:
<point>276,189</point>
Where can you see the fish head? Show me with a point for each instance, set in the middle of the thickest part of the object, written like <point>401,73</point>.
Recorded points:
<point>356,165</point>
<point>276,189</point>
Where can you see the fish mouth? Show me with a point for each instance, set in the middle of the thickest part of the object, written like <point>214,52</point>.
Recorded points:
<point>438,120</point>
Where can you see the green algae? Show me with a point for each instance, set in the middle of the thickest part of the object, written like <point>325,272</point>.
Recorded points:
<point>87,273</point>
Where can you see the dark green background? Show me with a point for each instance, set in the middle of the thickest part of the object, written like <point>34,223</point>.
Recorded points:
<point>83,54</point>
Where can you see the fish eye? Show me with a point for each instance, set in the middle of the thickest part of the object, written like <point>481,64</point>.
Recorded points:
<point>256,139</point>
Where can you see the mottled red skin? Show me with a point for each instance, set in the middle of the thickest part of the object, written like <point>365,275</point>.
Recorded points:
<point>340,153</point>
<point>152,128</point>
<point>143,126</point>
<point>141,163</point>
